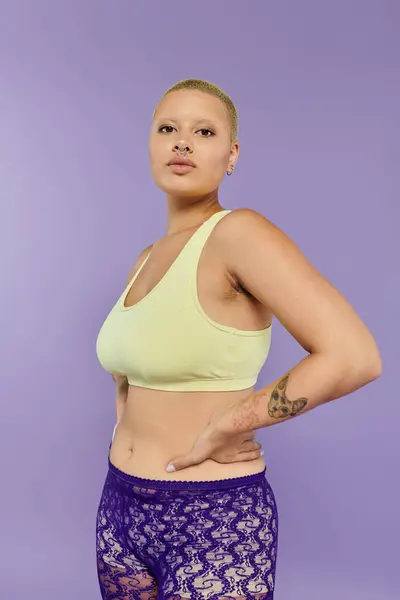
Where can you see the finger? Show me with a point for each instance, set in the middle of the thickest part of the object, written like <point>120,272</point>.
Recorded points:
<point>182,462</point>
<point>244,456</point>
<point>249,436</point>
<point>250,446</point>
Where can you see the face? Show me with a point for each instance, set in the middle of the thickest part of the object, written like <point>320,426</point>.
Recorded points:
<point>199,121</point>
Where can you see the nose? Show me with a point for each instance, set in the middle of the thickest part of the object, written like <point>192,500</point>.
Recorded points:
<point>182,149</point>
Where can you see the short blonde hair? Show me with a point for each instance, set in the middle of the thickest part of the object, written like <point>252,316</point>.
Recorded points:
<point>208,88</point>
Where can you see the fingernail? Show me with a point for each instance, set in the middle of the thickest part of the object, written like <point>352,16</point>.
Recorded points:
<point>170,468</point>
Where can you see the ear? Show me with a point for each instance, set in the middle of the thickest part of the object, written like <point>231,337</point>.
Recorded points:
<point>233,156</point>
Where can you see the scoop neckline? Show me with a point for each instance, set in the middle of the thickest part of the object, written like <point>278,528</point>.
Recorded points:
<point>132,281</point>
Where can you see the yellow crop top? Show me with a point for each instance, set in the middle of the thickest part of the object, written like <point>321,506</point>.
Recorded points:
<point>167,342</point>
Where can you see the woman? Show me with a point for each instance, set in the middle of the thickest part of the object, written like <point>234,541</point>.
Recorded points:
<point>186,510</point>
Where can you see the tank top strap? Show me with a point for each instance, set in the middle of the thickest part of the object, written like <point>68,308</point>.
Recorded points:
<point>183,271</point>
<point>198,240</point>
<point>190,256</point>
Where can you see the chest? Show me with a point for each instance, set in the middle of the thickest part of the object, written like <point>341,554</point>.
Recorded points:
<point>213,282</point>
<point>219,294</point>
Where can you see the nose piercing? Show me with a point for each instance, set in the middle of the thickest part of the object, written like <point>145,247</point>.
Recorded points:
<point>182,152</point>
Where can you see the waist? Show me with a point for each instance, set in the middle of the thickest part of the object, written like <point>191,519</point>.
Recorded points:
<point>157,426</point>
<point>188,484</point>
<point>165,414</point>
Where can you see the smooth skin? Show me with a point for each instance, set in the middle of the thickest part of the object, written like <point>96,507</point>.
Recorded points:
<point>249,271</point>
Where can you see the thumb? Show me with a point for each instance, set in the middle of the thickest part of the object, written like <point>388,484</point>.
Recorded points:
<point>182,462</point>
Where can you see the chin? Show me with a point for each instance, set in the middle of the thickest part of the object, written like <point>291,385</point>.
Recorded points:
<point>181,186</point>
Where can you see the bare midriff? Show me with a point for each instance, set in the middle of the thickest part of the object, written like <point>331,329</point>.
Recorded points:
<point>157,426</point>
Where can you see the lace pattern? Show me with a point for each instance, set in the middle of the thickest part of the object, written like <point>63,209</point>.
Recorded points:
<point>199,540</point>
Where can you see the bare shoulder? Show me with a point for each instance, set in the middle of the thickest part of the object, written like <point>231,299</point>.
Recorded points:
<point>243,223</point>
<point>268,263</point>
<point>142,256</point>
<point>244,228</point>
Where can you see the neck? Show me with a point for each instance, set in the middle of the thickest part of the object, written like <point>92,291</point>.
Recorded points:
<point>185,213</point>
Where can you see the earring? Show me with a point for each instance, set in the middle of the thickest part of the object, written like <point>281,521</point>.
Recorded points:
<point>232,169</point>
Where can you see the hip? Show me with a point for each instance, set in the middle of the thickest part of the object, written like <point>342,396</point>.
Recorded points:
<point>191,535</point>
<point>147,457</point>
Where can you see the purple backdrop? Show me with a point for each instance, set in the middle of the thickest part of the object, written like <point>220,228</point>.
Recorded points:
<point>317,88</point>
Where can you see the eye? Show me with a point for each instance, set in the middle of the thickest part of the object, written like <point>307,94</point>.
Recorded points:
<point>166,129</point>
<point>206,132</point>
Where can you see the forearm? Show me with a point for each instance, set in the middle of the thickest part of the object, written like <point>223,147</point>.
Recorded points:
<point>316,380</point>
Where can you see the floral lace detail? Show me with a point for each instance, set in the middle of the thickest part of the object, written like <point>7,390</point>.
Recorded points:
<point>215,543</point>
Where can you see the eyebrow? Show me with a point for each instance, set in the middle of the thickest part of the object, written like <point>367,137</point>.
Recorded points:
<point>197,122</point>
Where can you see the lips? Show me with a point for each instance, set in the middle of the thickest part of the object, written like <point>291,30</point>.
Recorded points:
<point>181,161</point>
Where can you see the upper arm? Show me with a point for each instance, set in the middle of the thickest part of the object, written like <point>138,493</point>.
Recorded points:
<point>273,269</point>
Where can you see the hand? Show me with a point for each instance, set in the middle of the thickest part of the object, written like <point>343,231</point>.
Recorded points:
<point>217,443</point>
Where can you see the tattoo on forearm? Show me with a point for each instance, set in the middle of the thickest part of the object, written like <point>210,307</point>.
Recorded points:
<point>280,406</point>
<point>246,417</point>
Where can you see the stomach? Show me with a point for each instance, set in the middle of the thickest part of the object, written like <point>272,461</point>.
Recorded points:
<point>157,426</point>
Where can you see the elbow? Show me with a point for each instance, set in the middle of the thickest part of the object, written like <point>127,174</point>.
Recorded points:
<point>358,366</point>
<point>367,366</point>
<point>363,356</point>
<point>372,360</point>
<point>374,369</point>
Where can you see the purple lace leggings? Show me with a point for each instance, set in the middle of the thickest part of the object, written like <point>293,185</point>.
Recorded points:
<point>171,540</point>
